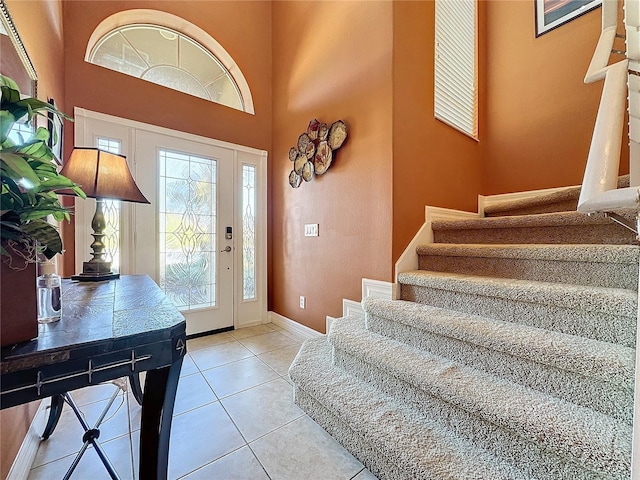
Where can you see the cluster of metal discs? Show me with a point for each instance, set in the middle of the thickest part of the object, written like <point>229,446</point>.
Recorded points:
<point>315,150</point>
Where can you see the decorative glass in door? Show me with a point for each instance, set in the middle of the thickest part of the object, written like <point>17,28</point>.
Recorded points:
<point>111,211</point>
<point>187,213</point>
<point>248,232</point>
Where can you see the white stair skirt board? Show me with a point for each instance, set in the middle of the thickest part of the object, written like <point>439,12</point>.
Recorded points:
<point>328,321</point>
<point>351,308</point>
<point>370,288</point>
<point>293,326</point>
<point>378,289</point>
<point>27,452</point>
<point>408,261</point>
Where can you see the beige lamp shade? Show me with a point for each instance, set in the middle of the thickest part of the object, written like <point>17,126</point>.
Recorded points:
<point>101,174</point>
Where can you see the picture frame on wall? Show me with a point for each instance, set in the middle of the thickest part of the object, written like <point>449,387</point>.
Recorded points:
<point>55,134</point>
<point>551,14</point>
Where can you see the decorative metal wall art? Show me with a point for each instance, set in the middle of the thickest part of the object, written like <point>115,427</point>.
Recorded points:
<point>315,150</point>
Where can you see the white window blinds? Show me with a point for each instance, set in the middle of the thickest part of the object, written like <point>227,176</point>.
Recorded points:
<point>456,78</point>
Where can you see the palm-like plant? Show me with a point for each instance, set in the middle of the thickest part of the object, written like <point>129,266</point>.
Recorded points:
<point>29,178</point>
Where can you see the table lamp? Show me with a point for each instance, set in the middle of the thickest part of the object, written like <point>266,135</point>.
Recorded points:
<point>102,175</point>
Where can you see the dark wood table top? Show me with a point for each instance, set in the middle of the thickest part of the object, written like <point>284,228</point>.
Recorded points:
<point>96,312</point>
<point>107,329</point>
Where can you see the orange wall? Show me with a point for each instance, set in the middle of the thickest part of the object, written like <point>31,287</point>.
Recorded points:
<point>40,26</point>
<point>540,114</point>
<point>331,60</point>
<point>433,164</point>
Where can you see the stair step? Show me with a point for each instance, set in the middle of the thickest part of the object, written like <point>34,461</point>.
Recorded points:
<point>541,434</point>
<point>569,367</point>
<point>389,438</point>
<point>558,201</point>
<point>613,266</point>
<point>605,314</point>
<point>547,228</point>
<point>563,201</point>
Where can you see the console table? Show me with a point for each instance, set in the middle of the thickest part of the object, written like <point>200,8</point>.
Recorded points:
<point>108,330</point>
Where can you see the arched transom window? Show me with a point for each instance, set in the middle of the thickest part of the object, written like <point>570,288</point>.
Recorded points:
<point>163,55</point>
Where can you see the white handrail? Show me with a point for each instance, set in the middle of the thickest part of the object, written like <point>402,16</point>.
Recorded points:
<point>599,187</point>
<point>600,59</point>
<point>599,192</point>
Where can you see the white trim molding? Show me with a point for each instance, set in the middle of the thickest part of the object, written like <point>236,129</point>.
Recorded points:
<point>370,288</point>
<point>126,122</point>
<point>168,20</point>
<point>292,326</point>
<point>378,289</point>
<point>409,259</point>
<point>29,448</point>
<point>328,321</point>
<point>351,308</point>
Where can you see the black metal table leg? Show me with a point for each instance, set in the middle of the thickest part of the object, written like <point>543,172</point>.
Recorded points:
<point>157,412</point>
<point>90,437</point>
<point>136,388</point>
<point>57,402</point>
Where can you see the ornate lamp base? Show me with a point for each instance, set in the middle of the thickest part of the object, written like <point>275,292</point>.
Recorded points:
<point>93,271</point>
<point>97,269</point>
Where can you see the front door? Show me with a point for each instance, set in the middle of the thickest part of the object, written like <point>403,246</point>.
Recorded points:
<point>203,237</point>
<point>185,237</point>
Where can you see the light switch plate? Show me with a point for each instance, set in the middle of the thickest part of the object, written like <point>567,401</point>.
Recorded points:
<point>311,230</point>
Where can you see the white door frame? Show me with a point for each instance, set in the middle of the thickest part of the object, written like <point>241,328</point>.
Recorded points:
<point>246,313</point>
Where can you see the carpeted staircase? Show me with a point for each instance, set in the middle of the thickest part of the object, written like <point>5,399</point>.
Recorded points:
<point>509,356</point>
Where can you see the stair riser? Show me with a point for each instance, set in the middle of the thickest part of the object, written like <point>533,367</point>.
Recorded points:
<point>530,458</point>
<point>566,206</point>
<point>588,392</point>
<point>592,234</point>
<point>370,457</point>
<point>617,329</point>
<point>579,273</point>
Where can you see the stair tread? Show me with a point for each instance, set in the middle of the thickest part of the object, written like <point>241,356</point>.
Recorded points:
<point>567,193</point>
<point>580,433</point>
<point>554,219</point>
<point>620,254</point>
<point>587,357</point>
<point>615,301</point>
<point>413,442</point>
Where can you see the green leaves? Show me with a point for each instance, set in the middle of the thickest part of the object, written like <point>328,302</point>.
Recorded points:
<point>29,177</point>
<point>46,235</point>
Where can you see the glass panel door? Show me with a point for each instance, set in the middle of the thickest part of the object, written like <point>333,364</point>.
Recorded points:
<point>180,237</point>
<point>201,191</point>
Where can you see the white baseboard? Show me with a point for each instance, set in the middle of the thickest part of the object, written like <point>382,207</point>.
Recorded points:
<point>293,326</point>
<point>250,323</point>
<point>27,452</point>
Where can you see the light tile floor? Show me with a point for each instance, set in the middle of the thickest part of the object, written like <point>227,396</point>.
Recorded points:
<point>234,418</point>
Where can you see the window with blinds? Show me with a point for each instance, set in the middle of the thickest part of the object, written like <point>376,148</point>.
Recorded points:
<point>456,77</point>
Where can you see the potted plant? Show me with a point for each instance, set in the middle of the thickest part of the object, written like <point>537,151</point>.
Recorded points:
<point>29,180</point>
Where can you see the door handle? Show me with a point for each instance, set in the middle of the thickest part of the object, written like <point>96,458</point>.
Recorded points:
<point>226,249</point>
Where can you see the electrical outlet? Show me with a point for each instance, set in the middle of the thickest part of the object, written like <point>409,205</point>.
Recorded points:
<point>311,230</point>
<point>302,301</point>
